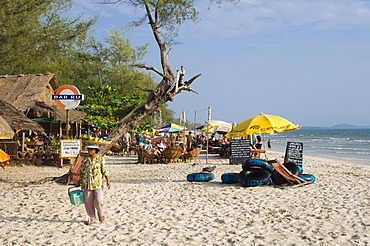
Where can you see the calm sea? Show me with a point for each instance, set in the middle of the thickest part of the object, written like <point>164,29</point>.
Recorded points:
<point>346,144</point>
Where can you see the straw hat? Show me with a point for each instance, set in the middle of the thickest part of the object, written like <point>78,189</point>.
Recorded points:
<point>93,146</point>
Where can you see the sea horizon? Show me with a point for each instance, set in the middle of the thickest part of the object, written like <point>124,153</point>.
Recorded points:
<point>343,144</point>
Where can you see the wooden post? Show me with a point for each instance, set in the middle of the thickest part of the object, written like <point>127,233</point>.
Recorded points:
<point>67,123</point>
<point>79,129</point>
<point>23,139</point>
<point>195,118</point>
<point>67,133</point>
<point>209,118</point>
<point>60,129</point>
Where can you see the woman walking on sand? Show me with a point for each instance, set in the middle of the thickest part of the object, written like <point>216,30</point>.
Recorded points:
<point>92,173</point>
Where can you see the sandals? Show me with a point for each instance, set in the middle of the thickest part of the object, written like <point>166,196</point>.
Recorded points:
<point>101,219</point>
<point>90,222</point>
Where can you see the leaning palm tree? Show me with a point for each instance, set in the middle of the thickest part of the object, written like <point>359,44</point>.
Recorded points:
<point>164,18</point>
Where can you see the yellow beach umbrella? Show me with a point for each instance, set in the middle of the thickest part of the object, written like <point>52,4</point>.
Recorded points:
<point>262,123</point>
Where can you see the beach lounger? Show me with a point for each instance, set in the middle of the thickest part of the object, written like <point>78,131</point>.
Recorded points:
<point>286,174</point>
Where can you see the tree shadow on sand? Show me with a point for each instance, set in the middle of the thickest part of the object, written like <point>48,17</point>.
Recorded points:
<point>28,219</point>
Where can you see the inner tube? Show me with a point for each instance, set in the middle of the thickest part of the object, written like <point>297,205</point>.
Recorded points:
<point>308,177</point>
<point>230,178</point>
<point>248,163</point>
<point>200,177</point>
<point>254,177</point>
<point>295,169</point>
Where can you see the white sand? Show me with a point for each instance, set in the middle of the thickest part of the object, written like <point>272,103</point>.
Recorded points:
<point>155,205</point>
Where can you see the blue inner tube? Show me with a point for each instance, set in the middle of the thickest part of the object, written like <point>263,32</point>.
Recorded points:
<point>254,177</point>
<point>230,178</point>
<point>308,177</point>
<point>200,177</point>
<point>247,164</point>
<point>295,169</point>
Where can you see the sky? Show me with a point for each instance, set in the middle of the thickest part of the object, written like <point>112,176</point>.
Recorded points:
<point>305,60</point>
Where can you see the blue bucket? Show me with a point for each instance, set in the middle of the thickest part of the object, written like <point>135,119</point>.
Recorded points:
<point>76,196</point>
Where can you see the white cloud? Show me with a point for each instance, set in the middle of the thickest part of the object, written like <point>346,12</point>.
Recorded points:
<point>256,16</point>
<point>247,17</point>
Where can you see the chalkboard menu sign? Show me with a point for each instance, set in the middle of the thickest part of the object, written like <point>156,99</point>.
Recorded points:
<point>239,150</point>
<point>294,153</point>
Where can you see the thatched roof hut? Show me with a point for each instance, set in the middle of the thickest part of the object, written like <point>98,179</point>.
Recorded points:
<point>32,94</point>
<point>16,119</point>
<point>6,131</point>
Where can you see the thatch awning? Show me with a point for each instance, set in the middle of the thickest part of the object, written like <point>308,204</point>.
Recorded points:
<point>32,94</point>
<point>6,131</point>
<point>16,119</point>
<point>55,112</point>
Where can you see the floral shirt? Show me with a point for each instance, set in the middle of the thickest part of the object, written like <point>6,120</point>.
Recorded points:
<point>92,173</point>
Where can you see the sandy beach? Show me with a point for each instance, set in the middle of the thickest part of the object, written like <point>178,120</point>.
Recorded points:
<point>153,204</point>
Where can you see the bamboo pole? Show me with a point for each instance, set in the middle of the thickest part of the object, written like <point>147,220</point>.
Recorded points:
<point>209,118</point>
<point>67,123</point>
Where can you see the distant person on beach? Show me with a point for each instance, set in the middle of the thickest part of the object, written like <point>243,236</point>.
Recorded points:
<point>127,142</point>
<point>173,139</point>
<point>257,145</point>
<point>161,146</point>
<point>189,141</point>
<point>152,149</point>
<point>269,144</point>
<point>92,173</point>
<point>139,139</point>
<point>148,145</point>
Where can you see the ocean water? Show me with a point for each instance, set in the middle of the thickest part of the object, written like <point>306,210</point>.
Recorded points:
<point>346,144</point>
